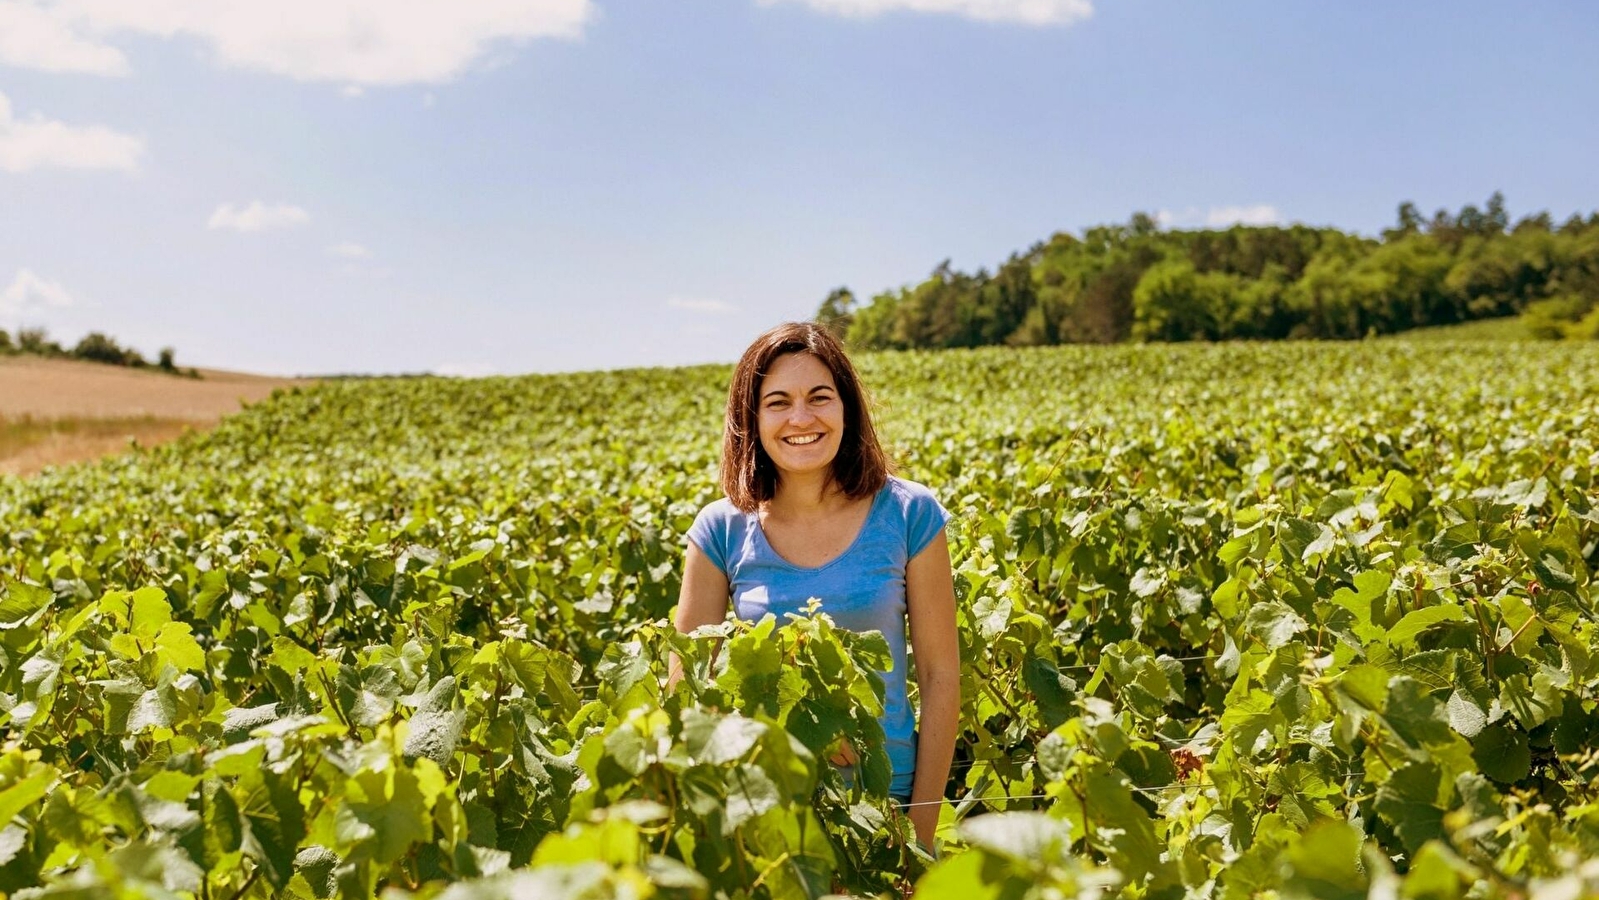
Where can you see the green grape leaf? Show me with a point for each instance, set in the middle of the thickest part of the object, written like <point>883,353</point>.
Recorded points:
<point>991,614</point>
<point>384,814</point>
<point>21,601</point>
<point>435,729</point>
<point>750,794</point>
<point>1147,582</point>
<point>276,823</point>
<point>1324,864</point>
<point>1051,690</point>
<point>20,795</point>
<point>1274,623</point>
<point>732,739</point>
<point>1408,801</point>
<point>1465,716</point>
<point>155,708</point>
<point>1414,714</point>
<point>238,722</point>
<point>1532,701</point>
<point>1502,754</point>
<point>367,696</point>
<point>1437,874</point>
<point>175,645</point>
<point>1022,836</point>
<point>1123,827</point>
<point>316,864</point>
<point>1411,626</point>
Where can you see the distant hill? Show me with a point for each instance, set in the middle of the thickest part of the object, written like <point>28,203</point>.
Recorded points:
<point>55,411</point>
<point>95,347</point>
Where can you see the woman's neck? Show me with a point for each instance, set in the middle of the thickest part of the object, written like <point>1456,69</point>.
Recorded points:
<point>798,495</point>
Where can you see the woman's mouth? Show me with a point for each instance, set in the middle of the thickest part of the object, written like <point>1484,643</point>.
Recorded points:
<point>802,439</point>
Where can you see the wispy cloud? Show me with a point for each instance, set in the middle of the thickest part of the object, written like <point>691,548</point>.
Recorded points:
<point>257,216</point>
<point>38,37</point>
<point>700,305</point>
<point>29,294</point>
<point>36,143</point>
<point>350,42</point>
<point>1220,216</point>
<point>349,250</point>
<point>1024,12</point>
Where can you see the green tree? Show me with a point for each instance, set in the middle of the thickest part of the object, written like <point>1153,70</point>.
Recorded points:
<point>837,311</point>
<point>1244,282</point>
<point>1410,222</point>
<point>872,327</point>
<point>1404,281</point>
<point>1173,302</point>
<point>37,341</point>
<point>97,347</point>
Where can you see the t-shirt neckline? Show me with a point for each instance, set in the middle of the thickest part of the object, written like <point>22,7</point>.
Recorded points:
<point>760,532</point>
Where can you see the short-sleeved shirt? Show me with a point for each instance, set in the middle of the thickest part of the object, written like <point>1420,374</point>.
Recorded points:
<point>862,589</point>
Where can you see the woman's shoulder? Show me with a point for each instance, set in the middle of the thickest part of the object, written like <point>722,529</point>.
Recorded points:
<point>919,513</point>
<point>909,492</point>
<point>913,500</point>
<point>719,512</point>
<point>717,530</point>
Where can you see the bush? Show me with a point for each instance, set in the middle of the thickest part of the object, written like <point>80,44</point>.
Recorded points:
<point>5,341</point>
<point>97,347</point>
<point>1559,317</point>
<point>1585,328</point>
<point>166,363</point>
<point>36,340</point>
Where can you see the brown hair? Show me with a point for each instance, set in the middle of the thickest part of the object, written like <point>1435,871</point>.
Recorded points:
<point>749,478</point>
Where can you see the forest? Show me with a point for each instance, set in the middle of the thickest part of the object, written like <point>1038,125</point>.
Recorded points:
<point>1140,282</point>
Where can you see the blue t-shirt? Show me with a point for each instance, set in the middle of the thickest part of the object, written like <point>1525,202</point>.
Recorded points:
<point>862,589</point>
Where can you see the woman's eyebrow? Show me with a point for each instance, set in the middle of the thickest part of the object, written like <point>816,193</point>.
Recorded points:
<point>779,392</point>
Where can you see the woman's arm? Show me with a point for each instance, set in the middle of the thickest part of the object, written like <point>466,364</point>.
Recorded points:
<point>930,605</point>
<point>701,601</point>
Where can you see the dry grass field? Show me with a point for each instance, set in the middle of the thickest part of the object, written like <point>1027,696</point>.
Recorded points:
<point>57,411</point>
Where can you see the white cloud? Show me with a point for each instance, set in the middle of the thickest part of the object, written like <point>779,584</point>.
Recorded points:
<point>353,42</point>
<point>692,304</point>
<point>257,216</point>
<point>1220,216</point>
<point>29,294</point>
<point>1259,214</point>
<point>1025,12</point>
<point>350,250</point>
<point>37,37</point>
<point>37,142</point>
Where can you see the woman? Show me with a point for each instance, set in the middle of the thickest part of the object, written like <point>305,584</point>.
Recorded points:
<point>812,511</point>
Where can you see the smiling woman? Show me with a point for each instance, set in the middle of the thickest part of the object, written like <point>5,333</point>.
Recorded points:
<point>812,511</point>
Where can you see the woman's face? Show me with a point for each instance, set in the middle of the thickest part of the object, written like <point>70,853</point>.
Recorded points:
<point>801,416</point>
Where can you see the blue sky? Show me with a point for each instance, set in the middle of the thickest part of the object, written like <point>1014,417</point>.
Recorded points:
<point>496,186</point>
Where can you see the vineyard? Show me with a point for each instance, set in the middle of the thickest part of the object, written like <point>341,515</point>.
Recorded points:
<point>1292,620</point>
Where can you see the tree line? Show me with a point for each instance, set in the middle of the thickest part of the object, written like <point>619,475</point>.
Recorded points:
<point>92,347</point>
<point>1140,282</point>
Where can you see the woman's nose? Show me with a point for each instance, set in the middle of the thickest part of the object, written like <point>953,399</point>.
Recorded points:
<point>801,413</point>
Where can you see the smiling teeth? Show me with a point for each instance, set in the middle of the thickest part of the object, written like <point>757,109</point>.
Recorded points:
<point>807,439</point>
